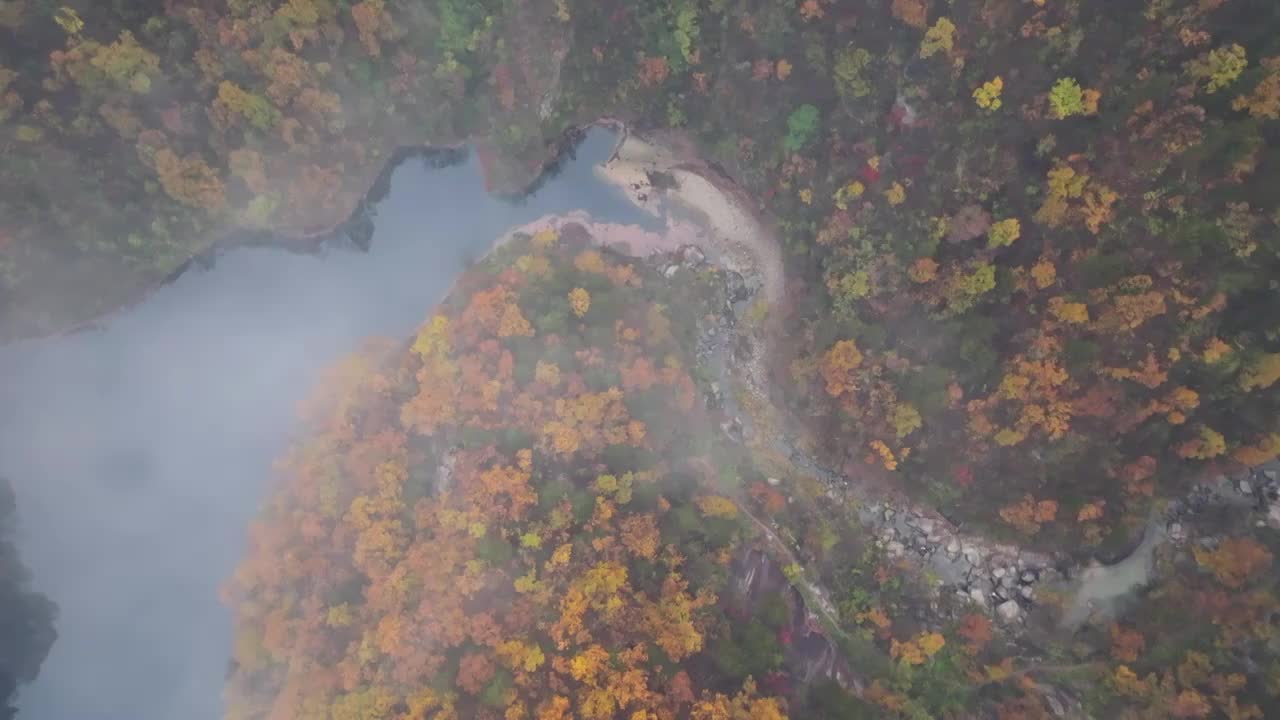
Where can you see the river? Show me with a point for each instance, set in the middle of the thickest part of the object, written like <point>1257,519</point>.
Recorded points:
<point>141,449</point>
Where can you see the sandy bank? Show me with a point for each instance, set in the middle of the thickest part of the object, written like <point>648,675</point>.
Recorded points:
<point>683,190</point>
<point>630,240</point>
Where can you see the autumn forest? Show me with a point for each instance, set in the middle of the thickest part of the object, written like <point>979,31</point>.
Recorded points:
<point>951,388</point>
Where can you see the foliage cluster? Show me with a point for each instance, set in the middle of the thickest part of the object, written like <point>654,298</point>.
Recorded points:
<point>502,518</point>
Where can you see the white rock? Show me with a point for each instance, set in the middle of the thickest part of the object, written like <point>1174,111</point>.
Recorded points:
<point>775,482</point>
<point>1028,593</point>
<point>1245,488</point>
<point>1009,611</point>
<point>953,548</point>
<point>925,525</point>
<point>895,549</point>
<point>978,596</point>
<point>693,255</point>
<point>1029,576</point>
<point>973,556</point>
<point>998,573</point>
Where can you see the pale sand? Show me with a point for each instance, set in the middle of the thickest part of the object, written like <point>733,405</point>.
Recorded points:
<point>631,240</point>
<point>733,236</point>
<point>696,211</point>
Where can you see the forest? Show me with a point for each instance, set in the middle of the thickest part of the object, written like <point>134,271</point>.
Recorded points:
<point>527,510</point>
<point>1034,237</point>
<point>1032,262</point>
<point>517,513</point>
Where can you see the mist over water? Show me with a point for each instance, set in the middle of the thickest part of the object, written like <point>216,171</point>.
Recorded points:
<point>140,451</point>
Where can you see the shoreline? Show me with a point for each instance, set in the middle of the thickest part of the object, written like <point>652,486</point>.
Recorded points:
<point>702,208</point>
<point>355,229</point>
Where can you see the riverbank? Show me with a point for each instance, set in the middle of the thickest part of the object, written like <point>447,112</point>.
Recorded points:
<point>149,440</point>
<point>354,232</point>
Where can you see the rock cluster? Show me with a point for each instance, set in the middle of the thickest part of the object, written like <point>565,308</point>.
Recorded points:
<point>993,576</point>
<point>1256,489</point>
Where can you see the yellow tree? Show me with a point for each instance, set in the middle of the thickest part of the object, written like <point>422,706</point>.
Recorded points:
<point>838,366</point>
<point>579,301</point>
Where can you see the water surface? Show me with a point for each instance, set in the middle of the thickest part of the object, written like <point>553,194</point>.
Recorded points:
<point>141,450</point>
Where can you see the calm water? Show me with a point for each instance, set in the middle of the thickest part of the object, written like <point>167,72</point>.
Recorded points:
<point>141,450</point>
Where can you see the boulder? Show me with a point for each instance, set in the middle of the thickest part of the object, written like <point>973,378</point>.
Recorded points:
<point>949,569</point>
<point>953,548</point>
<point>1009,611</point>
<point>692,255</point>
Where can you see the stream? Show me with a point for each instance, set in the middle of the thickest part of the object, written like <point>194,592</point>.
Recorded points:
<point>140,450</point>
<point>1100,589</point>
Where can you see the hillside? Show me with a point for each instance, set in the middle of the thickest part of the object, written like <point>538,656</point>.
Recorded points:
<point>1019,316</point>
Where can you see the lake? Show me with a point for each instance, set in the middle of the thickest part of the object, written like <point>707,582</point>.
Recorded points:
<point>141,449</point>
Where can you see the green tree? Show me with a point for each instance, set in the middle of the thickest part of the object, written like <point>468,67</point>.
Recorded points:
<point>802,127</point>
<point>850,68</point>
<point>1218,68</point>
<point>1066,98</point>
